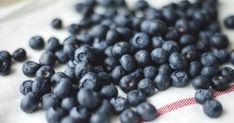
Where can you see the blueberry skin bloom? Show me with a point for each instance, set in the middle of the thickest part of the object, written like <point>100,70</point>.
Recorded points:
<point>140,41</point>
<point>129,116</point>
<point>146,111</point>
<point>63,88</point>
<point>5,56</point>
<point>47,58</point>
<point>49,100</point>
<point>19,55</point>
<point>84,54</point>
<point>26,87</point>
<point>212,108</point>
<point>81,69</point>
<point>37,43</point>
<point>179,79</point>
<point>170,46</point>
<point>53,45</point>
<point>135,97</point>
<point>178,61</point>
<point>159,56</point>
<point>146,86</point>
<point>120,49</point>
<point>195,68</point>
<point>201,82</point>
<point>229,22</point>
<point>119,104</point>
<point>117,73</point>
<point>88,98</point>
<point>30,68</point>
<point>150,72</point>
<point>29,103</point>
<point>142,57</point>
<point>91,81</point>
<point>202,95</point>
<point>128,83</point>
<point>209,59</point>
<point>127,62</point>
<point>219,41</point>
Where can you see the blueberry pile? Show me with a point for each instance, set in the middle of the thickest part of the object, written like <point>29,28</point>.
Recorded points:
<point>142,50</point>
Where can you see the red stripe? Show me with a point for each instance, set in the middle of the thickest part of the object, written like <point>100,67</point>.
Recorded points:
<point>188,101</point>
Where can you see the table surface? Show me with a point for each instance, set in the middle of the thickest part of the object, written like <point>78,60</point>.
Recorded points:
<point>21,19</point>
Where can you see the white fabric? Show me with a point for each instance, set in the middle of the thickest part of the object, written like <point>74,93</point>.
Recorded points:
<point>21,19</point>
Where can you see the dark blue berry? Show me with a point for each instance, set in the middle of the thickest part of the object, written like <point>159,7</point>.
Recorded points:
<point>212,108</point>
<point>153,27</point>
<point>208,59</point>
<point>41,86</point>
<point>209,71</point>
<point>201,82</point>
<point>119,104</point>
<point>128,83</point>
<point>57,23</point>
<point>222,55</point>
<point>53,45</point>
<point>45,71</point>
<point>203,95</point>
<point>55,114</point>
<point>120,49</point>
<point>146,86</point>
<point>165,69</point>
<point>88,98</point>
<point>159,56</point>
<point>84,54</point>
<point>47,58</point>
<point>150,72</point>
<point>170,46</point>
<point>29,103</point>
<point>63,88</point>
<point>140,41</point>
<point>49,100</point>
<point>68,103</point>
<point>81,69</point>
<point>108,92</point>
<point>61,56</point>
<point>179,79</point>
<point>117,73</point>
<point>26,87</point>
<point>229,22</point>
<point>162,81</point>
<point>227,72</point>
<point>128,62</point>
<point>5,56</point>
<point>177,61</point>
<point>146,111</point>
<point>135,97</point>
<point>37,42</point>
<point>129,116</point>
<point>90,80</point>
<point>19,55</point>
<point>99,118</point>
<point>30,68</point>
<point>157,42</point>
<point>219,41</point>
<point>68,119</point>
<point>80,114</point>
<point>195,68</point>
<point>5,67</point>
<point>219,83</point>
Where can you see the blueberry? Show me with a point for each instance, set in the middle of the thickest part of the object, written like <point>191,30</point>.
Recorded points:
<point>229,22</point>
<point>117,73</point>
<point>53,45</point>
<point>222,55</point>
<point>99,118</point>
<point>165,69</point>
<point>5,67</point>
<point>120,49</point>
<point>90,80</point>
<point>169,16</point>
<point>49,100</point>
<point>112,36</point>
<point>142,57</point>
<point>201,82</point>
<point>203,95</point>
<point>74,28</point>
<point>219,41</point>
<point>140,41</point>
<point>138,74</point>
<point>231,56</point>
<point>124,32</point>
<point>55,114</point>
<point>68,119</point>
<point>88,98</point>
<point>70,45</point>
<point>172,34</point>
<point>80,114</point>
<point>162,81</point>
<point>37,42</point>
<point>129,116</point>
<point>68,103</point>
<point>119,104</point>
<point>159,56</point>
<point>47,58</point>
<point>70,72</point>
<point>209,71</point>
<point>135,97</point>
<point>153,27</point>
<point>219,83</point>
<point>5,56</point>
<point>110,63</point>
<point>105,107</point>
<point>81,69</point>
<point>146,86</point>
<point>45,71</point>
<point>179,79</point>
<point>63,88</point>
<point>19,55</point>
<point>61,56</point>
<point>99,31</point>
<point>30,68</point>
<point>146,111</point>
<point>100,44</point>
<point>41,86</point>
<point>141,5</point>
<point>186,40</point>
<point>108,92</point>
<point>178,61</point>
<point>227,72</point>
<point>208,59</point>
<point>128,83</point>
<point>194,68</point>
<point>157,42</point>
<point>85,38</point>
<point>26,87</point>
<point>127,62</point>
<point>170,46</point>
<point>203,45</point>
<point>212,108</point>
<point>84,54</point>
<point>57,23</point>
<point>183,26</point>
<point>105,78</point>
<point>29,103</point>
<point>190,52</point>
<point>150,72</point>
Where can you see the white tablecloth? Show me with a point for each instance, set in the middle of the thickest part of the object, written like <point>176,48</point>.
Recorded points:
<point>21,19</point>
